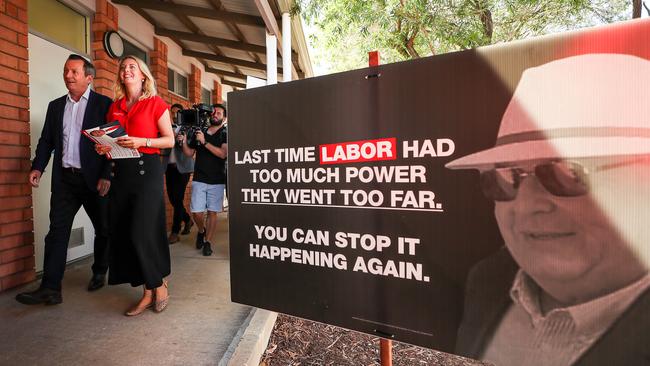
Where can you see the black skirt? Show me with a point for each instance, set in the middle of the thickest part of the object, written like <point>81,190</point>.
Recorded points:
<point>139,250</point>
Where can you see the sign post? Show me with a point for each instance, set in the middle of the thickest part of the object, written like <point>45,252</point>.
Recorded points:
<point>385,345</point>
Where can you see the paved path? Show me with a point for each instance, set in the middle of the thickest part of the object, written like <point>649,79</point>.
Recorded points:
<point>197,328</point>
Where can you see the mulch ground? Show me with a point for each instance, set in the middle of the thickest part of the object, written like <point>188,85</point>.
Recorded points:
<point>297,341</point>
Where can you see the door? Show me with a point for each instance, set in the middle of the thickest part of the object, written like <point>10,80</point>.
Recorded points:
<point>46,61</point>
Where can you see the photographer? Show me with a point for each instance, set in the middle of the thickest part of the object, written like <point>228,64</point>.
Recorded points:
<point>179,167</point>
<point>211,148</point>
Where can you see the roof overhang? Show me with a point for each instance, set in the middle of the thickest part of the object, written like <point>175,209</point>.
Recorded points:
<point>227,36</point>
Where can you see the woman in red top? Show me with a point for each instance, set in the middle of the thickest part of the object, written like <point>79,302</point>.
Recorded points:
<point>138,237</point>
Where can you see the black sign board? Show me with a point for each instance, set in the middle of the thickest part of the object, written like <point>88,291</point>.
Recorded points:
<point>342,209</point>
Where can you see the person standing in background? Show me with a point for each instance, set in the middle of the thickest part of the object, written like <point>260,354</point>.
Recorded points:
<point>209,180</point>
<point>179,168</point>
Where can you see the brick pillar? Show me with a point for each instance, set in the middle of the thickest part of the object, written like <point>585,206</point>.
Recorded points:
<point>105,20</point>
<point>216,93</point>
<point>16,225</point>
<point>194,85</point>
<point>158,64</point>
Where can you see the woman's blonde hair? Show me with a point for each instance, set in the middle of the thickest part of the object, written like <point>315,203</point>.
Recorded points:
<point>148,86</point>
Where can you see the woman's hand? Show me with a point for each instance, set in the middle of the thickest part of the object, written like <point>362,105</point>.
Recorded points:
<point>131,142</point>
<point>103,149</point>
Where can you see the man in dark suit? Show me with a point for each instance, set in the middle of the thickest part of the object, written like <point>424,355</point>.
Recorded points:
<point>80,177</point>
<point>569,177</point>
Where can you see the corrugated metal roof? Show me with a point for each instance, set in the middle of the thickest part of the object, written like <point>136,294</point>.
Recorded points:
<point>241,6</point>
<point>227,36</point>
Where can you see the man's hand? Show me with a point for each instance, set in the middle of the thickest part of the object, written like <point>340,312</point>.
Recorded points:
<point>200,137</point>
<point>103,185</point>
<point>180,138</point>
<point>35,178</point>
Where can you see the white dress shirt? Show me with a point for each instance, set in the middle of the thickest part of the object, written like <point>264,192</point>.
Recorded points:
<point>73,117</point>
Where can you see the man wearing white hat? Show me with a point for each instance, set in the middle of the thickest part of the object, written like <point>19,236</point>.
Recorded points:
<point>570,177</point>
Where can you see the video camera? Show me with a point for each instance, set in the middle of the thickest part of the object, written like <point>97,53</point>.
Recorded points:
<point>193,120</point>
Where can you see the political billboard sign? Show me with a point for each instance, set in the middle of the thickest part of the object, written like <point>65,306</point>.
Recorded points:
<point>432,201</point>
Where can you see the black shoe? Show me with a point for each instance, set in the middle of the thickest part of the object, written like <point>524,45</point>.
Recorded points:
<point>207,250</point>
<point>199,239</point>
<point>97,282</point>
<point>41,296</point>
<point>187,227</point>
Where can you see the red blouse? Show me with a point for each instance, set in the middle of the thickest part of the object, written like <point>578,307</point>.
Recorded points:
<point>141,120</point>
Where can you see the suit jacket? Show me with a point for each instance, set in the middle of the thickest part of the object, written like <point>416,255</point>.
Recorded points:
<point>487,298</point>
<point>93,165</point>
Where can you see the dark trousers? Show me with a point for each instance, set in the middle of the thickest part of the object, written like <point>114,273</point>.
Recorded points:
<point>139,250</point>
<point>65,202</point>
<point>176,184</point>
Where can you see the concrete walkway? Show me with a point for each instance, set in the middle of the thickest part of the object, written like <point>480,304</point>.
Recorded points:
<point>200,326</point>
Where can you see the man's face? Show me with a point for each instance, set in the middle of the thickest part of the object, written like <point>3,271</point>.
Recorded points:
<point>218,114</point>
<point>593,236</point>
<point>76,81</point>
<point>174,111</point>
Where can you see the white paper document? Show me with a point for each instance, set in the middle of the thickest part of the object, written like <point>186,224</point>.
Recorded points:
<point>107,135</point>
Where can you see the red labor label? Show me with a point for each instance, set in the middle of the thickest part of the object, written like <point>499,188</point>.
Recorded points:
<point>358,151</point>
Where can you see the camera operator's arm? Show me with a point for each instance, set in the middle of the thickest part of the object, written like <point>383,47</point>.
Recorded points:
<point>220,151</point>
<point>182,138</point>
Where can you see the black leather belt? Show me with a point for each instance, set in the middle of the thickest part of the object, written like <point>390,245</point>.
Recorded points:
<point>72,170</point>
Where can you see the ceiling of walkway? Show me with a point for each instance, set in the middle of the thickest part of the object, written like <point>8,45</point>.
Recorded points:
<point>227,36</point>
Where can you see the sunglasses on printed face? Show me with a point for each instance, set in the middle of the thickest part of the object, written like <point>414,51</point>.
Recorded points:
<point>559,178</point>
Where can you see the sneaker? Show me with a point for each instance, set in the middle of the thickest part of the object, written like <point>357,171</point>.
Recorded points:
<point>207,250</point>
<point>199,239</point>
<point>173,238</point>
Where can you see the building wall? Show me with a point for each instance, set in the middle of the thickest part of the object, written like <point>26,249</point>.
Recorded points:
<point>16,213</point>
<point>16,227</point>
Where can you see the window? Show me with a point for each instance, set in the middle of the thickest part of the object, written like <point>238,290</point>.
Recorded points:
<point>176,83</point>
<point>131,49</point>
<point>170,79</point>
<point>60,24</point>
<point>206,96</point>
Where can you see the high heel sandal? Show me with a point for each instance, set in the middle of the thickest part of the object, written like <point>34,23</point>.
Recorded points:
<point>137,310</point>
<point>160,305</point>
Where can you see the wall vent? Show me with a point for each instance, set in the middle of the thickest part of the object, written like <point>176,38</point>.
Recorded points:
<point>76,238</point>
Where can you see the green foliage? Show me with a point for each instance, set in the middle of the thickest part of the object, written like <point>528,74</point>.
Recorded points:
<point>346,30</point>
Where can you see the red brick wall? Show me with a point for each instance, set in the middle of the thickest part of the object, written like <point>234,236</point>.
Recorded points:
<point>217,93</point>
<point>158,64</point>
<point>174,98</point>
<point>194,85</point>
<point>16,225</point>
<point>105,19</point>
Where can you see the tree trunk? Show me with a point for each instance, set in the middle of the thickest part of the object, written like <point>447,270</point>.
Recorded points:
<point>485,15</point>
<point>636,9</point>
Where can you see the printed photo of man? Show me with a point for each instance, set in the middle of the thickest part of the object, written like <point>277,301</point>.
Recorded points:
<point>570,178</point>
